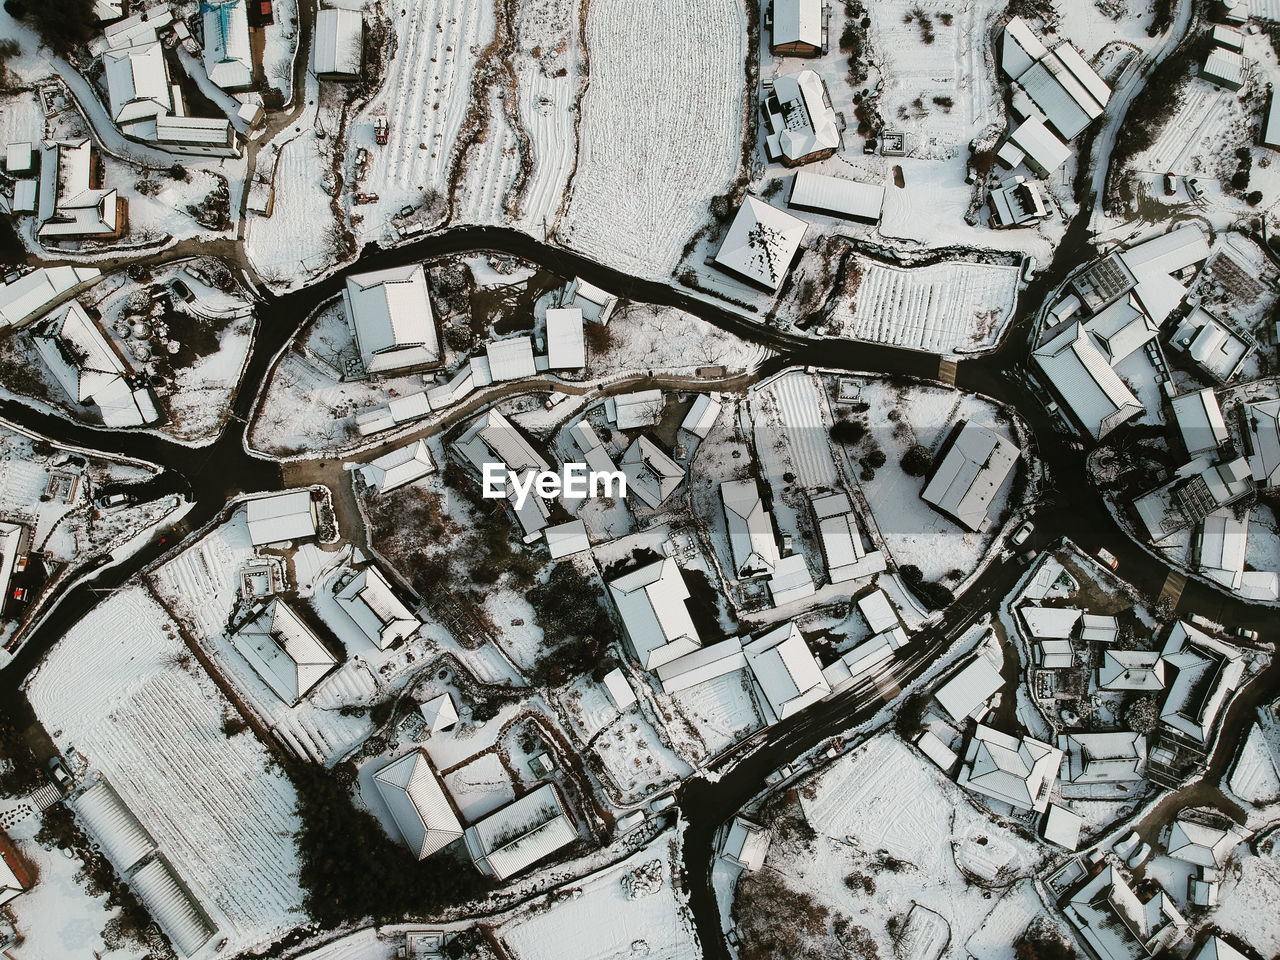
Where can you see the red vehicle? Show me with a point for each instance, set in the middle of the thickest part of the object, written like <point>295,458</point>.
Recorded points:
<point>366,198</point>
<point>380,129</point>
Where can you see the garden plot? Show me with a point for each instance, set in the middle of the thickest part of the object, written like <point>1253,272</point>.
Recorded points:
<point>424,100</point>
<point>587,708</point>
<point>643,337</point>
<point>630,909</point>
<point>480,787</point>
<point>915,533</point>
<point>651,156</point>
<point>635,761</point>
<point>899,854</point>
<point>121,693</point>
<point>722,710</point>
<point>1099,26</point>
<point>947,308</point>
<point>1249,893</point>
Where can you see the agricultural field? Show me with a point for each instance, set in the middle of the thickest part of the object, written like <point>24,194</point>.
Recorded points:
<point>648,161</point>
<point>124,699</point>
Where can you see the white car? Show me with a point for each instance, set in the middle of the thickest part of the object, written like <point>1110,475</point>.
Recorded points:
<point>1108,558</point>
<point>1139,857</point>
<point>1125,847</point>
<point>1021,534</point>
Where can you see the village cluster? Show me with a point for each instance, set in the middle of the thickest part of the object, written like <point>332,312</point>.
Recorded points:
<point>461,499</point>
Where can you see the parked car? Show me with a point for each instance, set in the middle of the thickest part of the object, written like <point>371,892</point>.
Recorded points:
<point>1126,846</point>
<point>1108,558</point>
<point>1193,188</point>
<point>1028,269</point>
<point>181,290</point>
<point>1139,857</point>
<point>1246,634</point>
<point>1170,184</point>
<point>20,594</point>
<point>59,773</point>
<point>1021,534</point>
<point>113,500</point>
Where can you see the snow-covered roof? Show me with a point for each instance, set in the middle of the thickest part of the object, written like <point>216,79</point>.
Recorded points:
<point>418,804</point>
<point>1019,48</point>
<point>651,602</point>
<point>1131,670</point>
<point>1062,827</point>
<point>931,745</point>
<point>18,158</point>
<point>137,83</point>
<point>974,469</point>
<point>339,39</point>
<point>389,312</point>
<point>140,28</point>
<point>281,517</point>
<point>1215,948</point>
<point>702,415</point>
<point>755,552</point>
<point>620,692</point>
<point>746,844</point>
<point>283,651</point>
<point>207,131</point>
<point>1039,144</point>
<point>1121,328</point>
<point>1263,418</point>
<point>1199,419</point>
<point>69,206</point>
<point>520,834</point>
<point>630,411</point>
<point>1271,126</point>
<point>596,305</point>
<point>10,541</point>
<point>511,359</point>
<point>1116,924</point>
<point>566,345</point>
<point>1206,671</point>
<point>568,538</point>
<point>32,291</point>
<point>1050,622</point>
<point>124,839</point>
<point>790,580</point>
<point>837,195</point>
<point>651,474</point>
<point>1065,89</point>
<point>1225,67</point>
<point>439,712</point>
<point>878,611</point>
<point>1167,253</point>
<point>1229,37</point>
<point>841,540</point>
<point>804,122</point>
<point>760,243</point>
<point>1054,653</point>
<point>1112,757</point>
<point>1017,772</point>
<point>492,438</point>
<point>25,196</point>
<point>1222,545</point>
<point>1087,384</point>
<point>786,670</point>
<point>172,905</point>
<point>1201,844</point>
<point>1098,628</point>
<point>702,665</point>
<point>797,22</point>
<point>227,57</point>
<point>970,690</point>
<point>398,467</point>
<point>367,598</point>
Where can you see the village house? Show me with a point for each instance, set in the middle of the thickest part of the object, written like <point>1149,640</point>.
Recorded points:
<point>73,204</point>
<point>515,837</point>
<point>283,651</point>
<point>1018,772</point>
<point>368,599</point>
<point>976,465</point>
<point>761,243</point>
<point>799,28</point>
<point>422,811</point>
<point>803,126</point>
<point>339,44</point>
<point>651,603</point>
<point>785,670</point>
<point>281,517</point>
<point>389,312</point>
<point>228,59</point>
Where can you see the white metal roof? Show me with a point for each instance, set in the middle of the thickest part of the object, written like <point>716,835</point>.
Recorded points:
<point>339,37</point>
<point>1167,253</point>
<point>418,804</point>
<point>651,602</point>
<point>620,692</point>
<point>970,689</point>
<point>760,243</point>
<point>172,905</point>
<point>786,670</point>
<point>227,57</point>
<point>520,834</point>
<point>837,195</point>
<point>389,312</point>
<point>215,131</point>
<point>878,611</point>
<point>511,359</point>
<point>1224,66</point>
<point>25,193</point>
<point>974,469</point>
<point>1039,143</point>
<point>283,651</point>
<point>398,467</point>
<point>566,345</point>
<point>702,665</point>
<point>1199,418</point>
<point>367,598</point>
<point>746,844</point>
<point>1062,827</point>
<point>123,837</point>
<point>281,517</point>
<point>1087,384</point>
<point>1076,65</point>
<point>797,21</point>
<point>1019,48</point>
<point>702,415</point>
<point>137,82</point>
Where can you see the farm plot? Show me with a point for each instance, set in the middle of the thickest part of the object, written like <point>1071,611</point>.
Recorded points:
<point>121,691</point>
<point>953,307</point>
<point>631,909</point>
<point>721,710</point>
<point>651,155</point>
<point>925,853</point>
<point>645,337</point>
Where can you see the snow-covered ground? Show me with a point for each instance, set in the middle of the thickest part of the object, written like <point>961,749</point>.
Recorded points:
<point>950,307</point>
<point>651,155</point>
<point>646,337</point>
<point>611,914</point>
<point>122,697</point>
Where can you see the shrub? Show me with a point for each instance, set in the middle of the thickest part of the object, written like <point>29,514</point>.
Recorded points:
<point>1253,197</point>
<point>875,459</point>
<point>1240,179</point>
<point>917,461</point>
<point>848,432</point>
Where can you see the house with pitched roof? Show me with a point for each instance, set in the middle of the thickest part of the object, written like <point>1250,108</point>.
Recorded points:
<point>283,651</point>
<point>651,474</point>
<point>651,603</point>
<point>228,59</point>
<point>422,811</point>
<point>1019,772</point>
<point>389,312</point>
<point>367,598</point>
<point>1116,925</point>
<point>760,244</point>
<point>73,204</point>
<point>525,831</point>
<point>785,670</point>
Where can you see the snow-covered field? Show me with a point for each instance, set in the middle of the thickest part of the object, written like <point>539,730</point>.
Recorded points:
<point>651,155</point>
<point>599,920</point>
<point>646,337</point>
<point>952,307</point>
<point>122,696</point>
